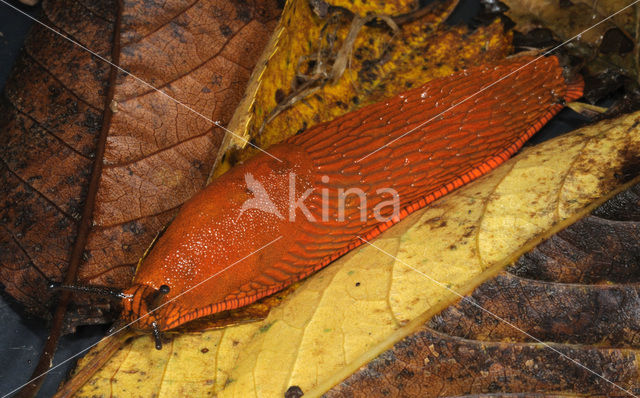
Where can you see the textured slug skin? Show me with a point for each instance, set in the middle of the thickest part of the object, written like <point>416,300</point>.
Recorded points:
<point>212,238</point>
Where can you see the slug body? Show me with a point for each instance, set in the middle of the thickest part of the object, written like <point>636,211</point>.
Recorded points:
<point>266,224</point>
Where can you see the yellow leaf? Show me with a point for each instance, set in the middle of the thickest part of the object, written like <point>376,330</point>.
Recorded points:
<point>364,7</point>
<point>382,63</point>
<point>351,311</point>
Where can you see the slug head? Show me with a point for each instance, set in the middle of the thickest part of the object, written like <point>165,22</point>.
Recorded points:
<point>142,306</point>
<point>143,309</point>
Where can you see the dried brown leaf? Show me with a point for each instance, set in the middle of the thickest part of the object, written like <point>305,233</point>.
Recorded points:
<point>120,171</point>
<point>588,30</point>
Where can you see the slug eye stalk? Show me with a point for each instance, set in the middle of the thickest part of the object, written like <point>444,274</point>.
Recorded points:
<point>153,300</point>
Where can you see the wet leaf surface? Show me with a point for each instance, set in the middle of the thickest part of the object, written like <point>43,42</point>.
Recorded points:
<point>74,155</point>
<point>353,311</point>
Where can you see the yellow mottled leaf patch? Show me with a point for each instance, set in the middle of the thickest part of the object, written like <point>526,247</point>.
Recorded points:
<point>364,7</point>
<point>382,62</point>
<point>354,309</point>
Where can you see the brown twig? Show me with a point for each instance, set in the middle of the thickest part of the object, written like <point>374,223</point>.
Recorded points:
<point>84,228</point>
<point>636,43</point>
<point>421,12</point>
<point>321,74</point>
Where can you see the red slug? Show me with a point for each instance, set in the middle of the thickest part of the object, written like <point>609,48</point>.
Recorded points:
<point>352,177</point>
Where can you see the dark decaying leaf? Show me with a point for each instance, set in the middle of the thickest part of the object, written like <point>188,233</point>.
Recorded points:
<point>577,292</point>
<point>118,163</point>
<point>599,36</point>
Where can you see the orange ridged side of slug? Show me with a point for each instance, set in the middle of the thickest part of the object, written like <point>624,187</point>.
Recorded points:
<point>476,118</point>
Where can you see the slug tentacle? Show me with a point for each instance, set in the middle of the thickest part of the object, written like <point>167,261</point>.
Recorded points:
<point>341,180</point>
<point>156,335</point>
<point>97,290</point>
